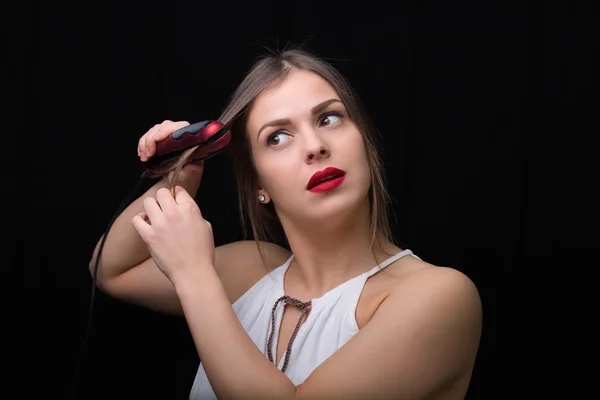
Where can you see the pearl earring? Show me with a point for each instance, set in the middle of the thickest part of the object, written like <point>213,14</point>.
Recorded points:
<point>261,198</point>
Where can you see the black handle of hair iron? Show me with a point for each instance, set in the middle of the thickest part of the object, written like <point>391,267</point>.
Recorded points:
<point>210,136</point>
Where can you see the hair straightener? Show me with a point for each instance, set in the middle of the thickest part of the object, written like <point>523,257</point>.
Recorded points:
<point>210,136</point>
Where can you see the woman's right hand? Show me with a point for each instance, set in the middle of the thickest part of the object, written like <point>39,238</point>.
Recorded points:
<point>147,144</point>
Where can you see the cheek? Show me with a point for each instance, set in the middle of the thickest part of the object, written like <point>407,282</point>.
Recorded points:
<point>357,148</point>
<point>274,174</point>
<point>359,153</point>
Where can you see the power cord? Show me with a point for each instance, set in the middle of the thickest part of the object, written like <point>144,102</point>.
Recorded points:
<point>126,202</point>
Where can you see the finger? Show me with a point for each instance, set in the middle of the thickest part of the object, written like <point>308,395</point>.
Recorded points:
<point>165,199</point>
<point>143,228</point>
<point>168,127</point>
<point>142,148</point>
<point>145,217</point>
<point>149,141</point>
<point>153,209</point>
<point>182,196</point>
<point>161,133</point>
<point>183,199</point>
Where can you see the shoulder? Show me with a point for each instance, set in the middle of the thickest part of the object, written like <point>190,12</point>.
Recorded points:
<point>422,275</point>
<point>269,254</point>
<point>437,310</point>
<point>436,298</point>
<point>435,290</point>
<point>430,316</point>
<point>415,278</point>
<point>243,263</point>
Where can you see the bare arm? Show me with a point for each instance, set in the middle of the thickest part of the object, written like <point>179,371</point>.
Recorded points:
<point>238,265</point>
<point>420,344</point>
<point>127,272</point>
<point>123,248</point>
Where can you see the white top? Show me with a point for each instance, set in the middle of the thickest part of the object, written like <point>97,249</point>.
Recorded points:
<point>330,323</point>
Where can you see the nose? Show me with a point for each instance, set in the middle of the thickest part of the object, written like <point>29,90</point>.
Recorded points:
<point>316,148</point>
<point>322,153</point>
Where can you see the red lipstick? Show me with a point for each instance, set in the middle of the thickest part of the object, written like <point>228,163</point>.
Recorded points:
<point>323,181</point>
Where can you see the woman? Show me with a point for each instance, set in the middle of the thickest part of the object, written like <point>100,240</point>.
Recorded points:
<point>344,313</point>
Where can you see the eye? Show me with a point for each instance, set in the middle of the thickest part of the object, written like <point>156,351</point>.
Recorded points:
<point>331,118</point>
<point>277,138</point>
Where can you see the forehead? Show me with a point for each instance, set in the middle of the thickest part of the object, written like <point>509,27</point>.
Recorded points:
<point>295,96</point>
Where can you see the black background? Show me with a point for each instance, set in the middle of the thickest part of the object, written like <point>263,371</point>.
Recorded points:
<point>479,104</point>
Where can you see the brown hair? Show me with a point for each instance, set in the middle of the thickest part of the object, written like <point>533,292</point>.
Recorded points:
<point>271,70</point>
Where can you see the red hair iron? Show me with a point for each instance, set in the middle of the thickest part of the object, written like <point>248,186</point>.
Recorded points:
<point>210,136</point>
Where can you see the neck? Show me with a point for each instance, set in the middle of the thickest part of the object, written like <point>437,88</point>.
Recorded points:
<point>328,255</point>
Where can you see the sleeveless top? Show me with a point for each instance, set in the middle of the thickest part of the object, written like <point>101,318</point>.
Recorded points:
<point>330,323</point>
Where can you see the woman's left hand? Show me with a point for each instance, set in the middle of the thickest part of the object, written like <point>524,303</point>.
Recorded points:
<point>179,239</point>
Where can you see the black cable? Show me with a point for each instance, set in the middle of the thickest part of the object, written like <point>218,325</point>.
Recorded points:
<point>126,202</point>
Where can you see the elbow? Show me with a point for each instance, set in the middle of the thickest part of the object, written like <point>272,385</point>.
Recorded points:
<point>92,267</point>
<point>99,279</point>
<point>94,259</point>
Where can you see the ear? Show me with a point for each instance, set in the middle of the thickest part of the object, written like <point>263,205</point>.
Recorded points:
<point>262,196</point>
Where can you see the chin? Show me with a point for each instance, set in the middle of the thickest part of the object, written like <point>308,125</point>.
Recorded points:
<point>335,206</point>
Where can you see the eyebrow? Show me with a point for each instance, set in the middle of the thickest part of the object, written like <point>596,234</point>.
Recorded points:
<point>286,121</point>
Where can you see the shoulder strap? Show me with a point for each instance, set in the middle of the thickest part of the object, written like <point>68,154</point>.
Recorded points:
<point>390,260</point>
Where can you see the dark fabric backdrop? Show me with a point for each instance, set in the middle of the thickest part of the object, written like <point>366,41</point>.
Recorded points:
<point>478,104</point>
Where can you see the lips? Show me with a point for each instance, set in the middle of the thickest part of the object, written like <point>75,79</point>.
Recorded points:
<point>323,176</point>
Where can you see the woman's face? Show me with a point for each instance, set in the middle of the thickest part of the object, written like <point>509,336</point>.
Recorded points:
<point>298,129</point>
